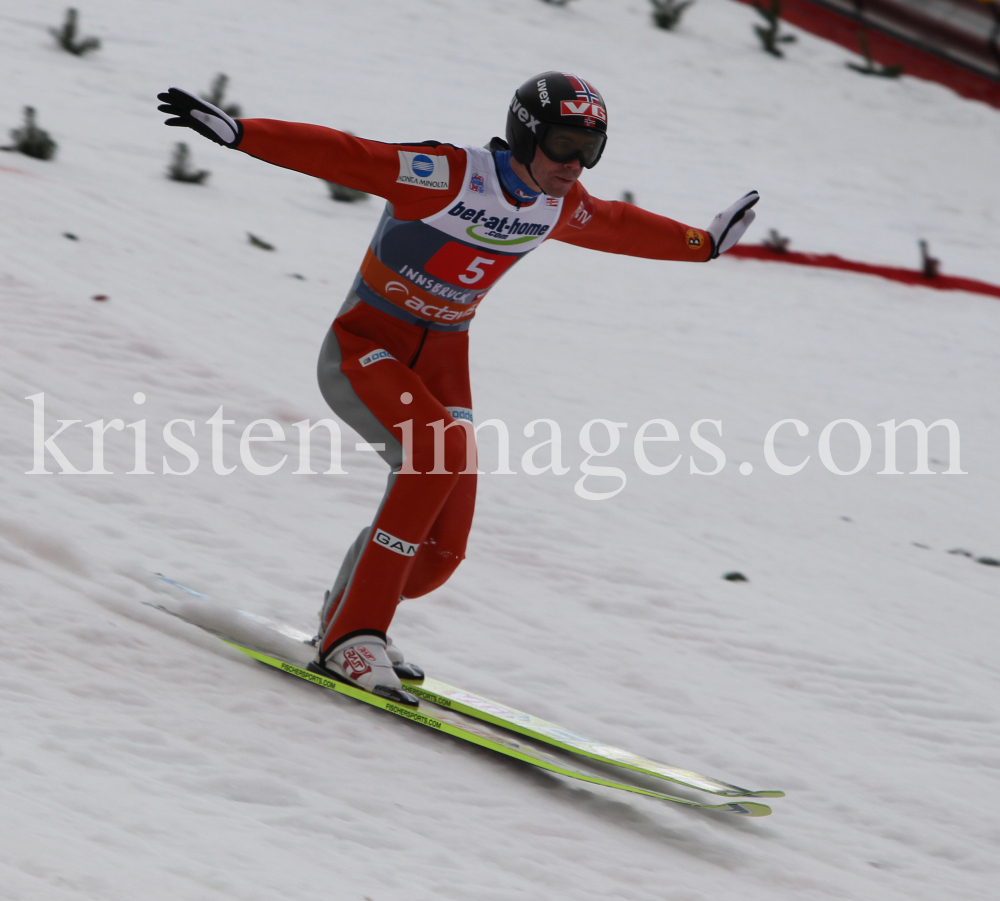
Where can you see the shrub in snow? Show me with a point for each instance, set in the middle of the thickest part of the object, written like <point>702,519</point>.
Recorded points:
<point>986,561</point>
<point>32,140</point>
<point>771,36</point>
<point>667,13</point>
<point>776,241</point>
<point>871,67</point>
<point>215,96</point>
<point>180,167</point>
<point>930,266</point>
<point>66,36</point>
<point>628,197</point>
<point>345,194</point>
<point>259,242</point>
<point>556,2</point>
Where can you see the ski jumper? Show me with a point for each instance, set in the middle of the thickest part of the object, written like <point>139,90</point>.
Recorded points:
<point>394,365</point>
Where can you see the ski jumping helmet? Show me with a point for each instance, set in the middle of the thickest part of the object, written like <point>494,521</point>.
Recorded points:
<point>562,114</point>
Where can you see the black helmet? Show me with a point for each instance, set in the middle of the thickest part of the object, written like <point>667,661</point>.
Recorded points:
<point>562,114</point>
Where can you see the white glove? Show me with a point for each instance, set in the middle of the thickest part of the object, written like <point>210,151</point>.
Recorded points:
<point>728,227</point>
<point>205,118</point>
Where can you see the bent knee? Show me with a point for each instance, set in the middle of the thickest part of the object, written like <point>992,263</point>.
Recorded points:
<point>431,569</point>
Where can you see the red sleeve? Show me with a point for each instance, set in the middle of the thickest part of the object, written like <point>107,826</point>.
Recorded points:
<point>368,166</point>
<point>616,227</point>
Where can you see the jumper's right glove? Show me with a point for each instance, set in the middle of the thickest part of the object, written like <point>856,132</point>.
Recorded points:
<point>208,120</point>
<point>728,227</point>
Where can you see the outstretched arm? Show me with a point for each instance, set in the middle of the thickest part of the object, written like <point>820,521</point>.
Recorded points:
<point>386,170</point>
<point>616,227</point>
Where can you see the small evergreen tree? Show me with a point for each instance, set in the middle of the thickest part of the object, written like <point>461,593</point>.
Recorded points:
<point>771,36</point>
<point>776,241</point>
<point>667,13</point>
<point>254,241</point>
<point>215,96</point>
<point>66,36</point>
<point>180,167</point>
<point>345,194</point>
<point>871,67</point>
<point>32,140</point>
<point>930,266</point>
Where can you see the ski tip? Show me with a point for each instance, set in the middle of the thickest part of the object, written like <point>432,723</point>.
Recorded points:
<point>765,794</point>
<point>749,809</point>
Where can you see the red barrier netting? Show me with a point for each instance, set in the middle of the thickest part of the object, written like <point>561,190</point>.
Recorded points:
<point>832,261</point>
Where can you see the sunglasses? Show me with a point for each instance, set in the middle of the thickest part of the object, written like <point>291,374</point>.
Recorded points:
<point>562,143</point>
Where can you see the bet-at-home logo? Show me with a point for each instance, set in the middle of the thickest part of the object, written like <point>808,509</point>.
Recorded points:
<point>424,170</point>
<point>494,230</point>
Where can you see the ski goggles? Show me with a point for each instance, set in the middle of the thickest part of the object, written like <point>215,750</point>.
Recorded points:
<point>562,143</point>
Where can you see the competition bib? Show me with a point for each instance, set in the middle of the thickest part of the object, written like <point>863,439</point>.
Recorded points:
<point>440,268</point>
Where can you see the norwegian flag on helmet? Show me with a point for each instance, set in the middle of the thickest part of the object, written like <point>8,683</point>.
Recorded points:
<point>583,90</point>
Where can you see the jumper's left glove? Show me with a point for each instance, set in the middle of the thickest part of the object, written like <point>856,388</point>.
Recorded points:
<point>205,118</point>
<point>728,227</point>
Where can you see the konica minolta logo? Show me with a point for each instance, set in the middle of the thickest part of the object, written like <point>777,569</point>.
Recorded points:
<point>494,230</point>
<point>425,170</point>
<point>375,356</point>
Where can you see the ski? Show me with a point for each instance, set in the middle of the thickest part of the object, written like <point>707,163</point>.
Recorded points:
<point>444,695</point>
<point>448,721</point>
<point>284,646</point>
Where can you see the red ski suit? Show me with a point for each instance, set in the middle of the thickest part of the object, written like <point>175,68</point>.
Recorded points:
<point>395,364</point>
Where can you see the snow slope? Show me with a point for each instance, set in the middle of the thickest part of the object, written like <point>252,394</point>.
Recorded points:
<point>856,669</point>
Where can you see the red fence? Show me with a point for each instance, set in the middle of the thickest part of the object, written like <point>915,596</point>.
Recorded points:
<point>832,261</point>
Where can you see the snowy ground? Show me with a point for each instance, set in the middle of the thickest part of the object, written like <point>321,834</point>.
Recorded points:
<point>857,669</point>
